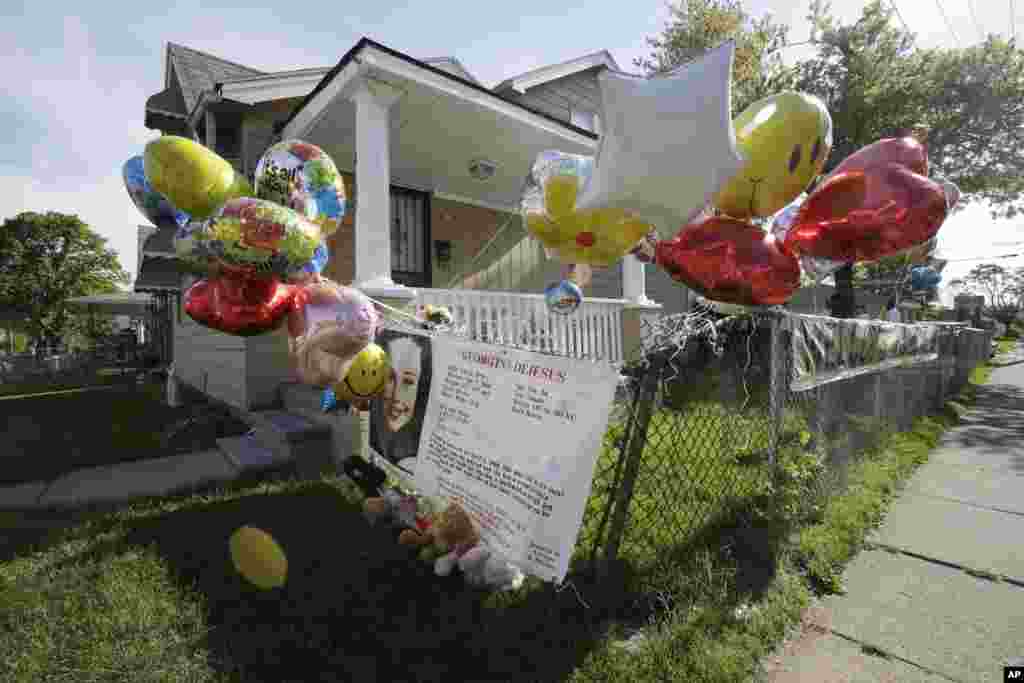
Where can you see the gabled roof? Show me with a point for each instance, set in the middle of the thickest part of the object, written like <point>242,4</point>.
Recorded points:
<point>545,74</point>
<point>452,66</point>
<point>371,45</point>
<point>198,72</point>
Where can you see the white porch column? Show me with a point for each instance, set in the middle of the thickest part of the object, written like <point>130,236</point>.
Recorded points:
<point>373,100</point>
<point>634,281</point>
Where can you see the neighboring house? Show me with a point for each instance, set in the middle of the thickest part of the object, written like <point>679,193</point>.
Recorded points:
<point>425,149</point>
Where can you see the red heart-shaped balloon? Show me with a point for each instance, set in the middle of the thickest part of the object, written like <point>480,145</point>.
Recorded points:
<point>903,151</point>
<point>731,261</point>
<point>864,215</point>
<point>243,307</point>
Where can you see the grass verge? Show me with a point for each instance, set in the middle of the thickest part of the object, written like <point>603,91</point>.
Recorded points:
<point>148,592</point>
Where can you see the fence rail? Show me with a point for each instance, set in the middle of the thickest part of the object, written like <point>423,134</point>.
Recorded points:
<point>594,330</point>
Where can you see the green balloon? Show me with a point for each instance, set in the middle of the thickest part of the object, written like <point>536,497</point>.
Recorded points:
<point>194,179</point>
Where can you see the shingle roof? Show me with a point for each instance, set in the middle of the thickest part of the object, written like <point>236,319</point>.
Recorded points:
<point>198,71</point>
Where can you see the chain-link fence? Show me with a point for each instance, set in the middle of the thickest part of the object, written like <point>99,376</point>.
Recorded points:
<point>712,424</point>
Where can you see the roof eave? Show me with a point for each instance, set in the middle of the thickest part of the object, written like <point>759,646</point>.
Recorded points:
<point>366,43</point>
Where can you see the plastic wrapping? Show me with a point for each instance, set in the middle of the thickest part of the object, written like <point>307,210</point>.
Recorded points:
<point>829,349</point>
<point>304,178</point>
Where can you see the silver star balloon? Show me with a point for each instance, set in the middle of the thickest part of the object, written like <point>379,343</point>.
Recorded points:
<point>668,144</point>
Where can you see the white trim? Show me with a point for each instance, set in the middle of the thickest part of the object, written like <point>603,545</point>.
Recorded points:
<point>476,202</point>
<point>546,74</point>
<point>159,254</point>
<point>314,110</point>
<point>280,86</point>
<point>399,67</point>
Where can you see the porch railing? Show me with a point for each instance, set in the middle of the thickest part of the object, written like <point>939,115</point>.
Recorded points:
<point>594,330</point>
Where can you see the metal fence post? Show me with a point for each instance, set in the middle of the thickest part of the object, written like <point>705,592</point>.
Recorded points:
<point>776,386</point>
<point>648,394</point>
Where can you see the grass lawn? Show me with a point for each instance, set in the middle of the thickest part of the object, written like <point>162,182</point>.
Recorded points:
<point>48,434</point>
<point>148,593</point>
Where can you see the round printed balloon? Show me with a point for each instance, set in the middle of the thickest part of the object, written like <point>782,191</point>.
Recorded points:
<point>255,236</point>
<point>599,237</point>
<point>367,376</point>
<point>563,298</point>
<point>195,179</point>
<point>302,177</point>
<point>785,139</point>
<point>924,277</point>
<point>154,206</point>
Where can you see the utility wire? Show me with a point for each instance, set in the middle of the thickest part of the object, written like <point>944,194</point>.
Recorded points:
<point>1013,22</point>
<point>949,25</point>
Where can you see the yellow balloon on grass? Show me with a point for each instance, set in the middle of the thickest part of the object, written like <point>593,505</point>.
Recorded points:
<point>785,139</point>
<point>366,377</point>
<point>190,175</point>
<point>258,558</point>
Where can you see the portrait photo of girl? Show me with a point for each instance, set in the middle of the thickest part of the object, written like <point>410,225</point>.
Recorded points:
<point>396,417</point>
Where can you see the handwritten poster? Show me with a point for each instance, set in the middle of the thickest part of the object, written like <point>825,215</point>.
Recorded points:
<point>513,436</point>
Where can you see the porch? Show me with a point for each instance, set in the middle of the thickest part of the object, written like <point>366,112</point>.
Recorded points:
<point>434,164</point>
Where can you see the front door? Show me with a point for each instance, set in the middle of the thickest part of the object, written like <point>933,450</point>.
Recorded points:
<point>410,237</point>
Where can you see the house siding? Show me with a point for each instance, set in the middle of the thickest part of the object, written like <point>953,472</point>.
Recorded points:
<point>556,98</point>
<point>210,360</point>
<point>258,130</point>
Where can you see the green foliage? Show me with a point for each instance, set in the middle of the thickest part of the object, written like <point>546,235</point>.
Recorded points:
<point>48,258</point>
<point>1002,288</point>
<point>697,26</point>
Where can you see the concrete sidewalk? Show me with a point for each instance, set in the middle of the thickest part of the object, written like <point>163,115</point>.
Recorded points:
<point>940,594</point>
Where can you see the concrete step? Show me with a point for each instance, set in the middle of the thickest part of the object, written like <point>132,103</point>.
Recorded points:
<point>304,400</point>
<point>291,436</point>
<point>144,478</point>
<point>249,454</point>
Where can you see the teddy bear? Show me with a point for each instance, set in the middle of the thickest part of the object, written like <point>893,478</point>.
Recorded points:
<point>449,539</point>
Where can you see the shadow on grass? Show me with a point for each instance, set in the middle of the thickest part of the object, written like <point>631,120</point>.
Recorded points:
<point>356,606</point>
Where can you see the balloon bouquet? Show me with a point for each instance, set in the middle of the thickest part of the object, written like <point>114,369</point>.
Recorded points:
<point>878,202</point>
<point>261,252</point>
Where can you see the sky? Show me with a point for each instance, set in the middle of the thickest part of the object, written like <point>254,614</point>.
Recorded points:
<point>81,72</point>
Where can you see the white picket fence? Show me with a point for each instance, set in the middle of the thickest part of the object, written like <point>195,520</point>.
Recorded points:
<point>594,330</point>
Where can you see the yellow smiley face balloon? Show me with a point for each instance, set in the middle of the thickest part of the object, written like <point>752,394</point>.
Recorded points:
<point>366,377</point>
<point>785,139</point>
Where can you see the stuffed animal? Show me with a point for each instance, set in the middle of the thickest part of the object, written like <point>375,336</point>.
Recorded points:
<point>452,530</point>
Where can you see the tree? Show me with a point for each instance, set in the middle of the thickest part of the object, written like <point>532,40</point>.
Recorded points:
<point>47,259</point>
<point>1003,289</point>
<point>966,105</point>
<point>697,26</point>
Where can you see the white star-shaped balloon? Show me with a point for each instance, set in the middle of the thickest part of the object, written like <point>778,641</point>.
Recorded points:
<point>668,144</point>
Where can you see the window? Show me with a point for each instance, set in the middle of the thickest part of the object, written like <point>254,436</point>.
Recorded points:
<point>587,120</point>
